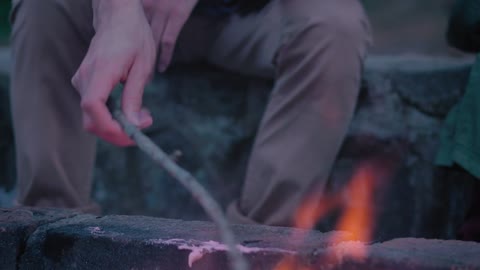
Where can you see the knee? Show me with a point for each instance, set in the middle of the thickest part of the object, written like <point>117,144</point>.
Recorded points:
<point>32,19</point>
<point>349,28</point>
<point>31,10</point>
<point>49,17</point>
<point>346,29</point>
<point>335,25</point>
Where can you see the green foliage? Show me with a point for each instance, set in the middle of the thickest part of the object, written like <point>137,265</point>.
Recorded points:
<point>4,24</point>
<point>368,3</point>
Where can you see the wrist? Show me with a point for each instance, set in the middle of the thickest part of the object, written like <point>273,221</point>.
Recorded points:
<point>106,9</point>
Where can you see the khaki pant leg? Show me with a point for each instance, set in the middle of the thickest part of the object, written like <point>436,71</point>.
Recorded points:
<point>317,47</point>
<point>55,157</point>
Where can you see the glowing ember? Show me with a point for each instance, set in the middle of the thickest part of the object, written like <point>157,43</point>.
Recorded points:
<point>350,249</point>
<point>200,249</point>
<point>290,263</point>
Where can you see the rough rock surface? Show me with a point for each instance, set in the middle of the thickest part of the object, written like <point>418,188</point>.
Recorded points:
<point>17,225</point>
<point>212,116</point>
<point>58,239</point>
<point>427,254</point>
<point>132,242</point>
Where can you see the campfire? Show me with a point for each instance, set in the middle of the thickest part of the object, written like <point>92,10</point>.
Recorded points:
<point>356,204</point>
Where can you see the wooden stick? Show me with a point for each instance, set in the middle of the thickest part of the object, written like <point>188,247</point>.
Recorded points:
<point>190,183</point>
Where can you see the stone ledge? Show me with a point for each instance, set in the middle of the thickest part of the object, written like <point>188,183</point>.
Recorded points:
<point>67,240</point>
<point>430,85</point>
<point>16,226</point>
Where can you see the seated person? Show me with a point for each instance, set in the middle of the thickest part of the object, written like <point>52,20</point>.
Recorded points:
<point>460,145</point>
<point>69,54</point>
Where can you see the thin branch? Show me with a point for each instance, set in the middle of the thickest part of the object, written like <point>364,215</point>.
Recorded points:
<point>190,183</point>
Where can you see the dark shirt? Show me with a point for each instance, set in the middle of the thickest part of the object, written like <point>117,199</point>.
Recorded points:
<point>222,8</point>
<point>464,25</point>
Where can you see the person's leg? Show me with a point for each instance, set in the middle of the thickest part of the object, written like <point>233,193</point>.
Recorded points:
<point>55,156</point>
<point>317,47</point>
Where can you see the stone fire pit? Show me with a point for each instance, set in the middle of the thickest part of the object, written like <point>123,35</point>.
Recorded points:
<point>62,239</point>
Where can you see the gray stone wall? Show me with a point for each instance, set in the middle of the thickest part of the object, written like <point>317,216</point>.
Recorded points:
<point>212,116</point>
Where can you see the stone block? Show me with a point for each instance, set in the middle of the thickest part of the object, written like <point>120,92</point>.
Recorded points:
<point>134,242</point>
<point>16,225</point>
<point>59,239</point>
<point>414,254</point>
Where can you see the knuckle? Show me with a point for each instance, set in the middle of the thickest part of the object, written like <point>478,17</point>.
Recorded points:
<point>88,104</point>
<point>75,81</point>
<point>80,75</point>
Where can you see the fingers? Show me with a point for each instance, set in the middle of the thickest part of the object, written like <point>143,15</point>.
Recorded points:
<point>112,133</point>
<point>177,17</point>
<point>96,116</point>
<point>167,44</point>
<point>122,50</point>
<point>158,26</point>
<point>133,92</point>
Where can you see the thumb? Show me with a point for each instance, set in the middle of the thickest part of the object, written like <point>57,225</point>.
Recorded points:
<point>133,93</point>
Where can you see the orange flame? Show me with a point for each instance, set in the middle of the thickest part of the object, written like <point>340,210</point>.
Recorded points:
<point>356,203</point>
<point>313,209</point>
<point>358,216</point>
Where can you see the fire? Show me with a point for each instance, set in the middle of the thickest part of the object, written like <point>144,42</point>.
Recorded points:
<point>356,201</point>
<point>358,216</point>
<point>312,210</point>
<point>357,212</point>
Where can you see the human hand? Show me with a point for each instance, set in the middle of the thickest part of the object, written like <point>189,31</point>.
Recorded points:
<point>122,51</point>
<point>167,18</point>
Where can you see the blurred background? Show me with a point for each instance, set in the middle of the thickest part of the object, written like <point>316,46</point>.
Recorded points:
<point>399,26</point>
<point>4,26</point>
<point>410,26</point>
